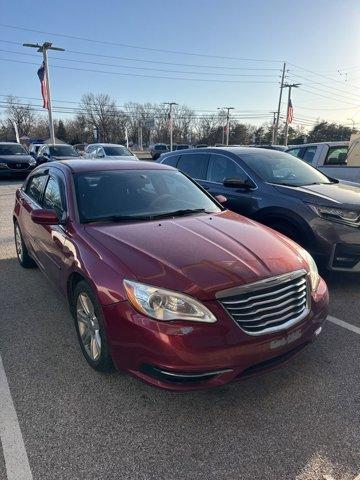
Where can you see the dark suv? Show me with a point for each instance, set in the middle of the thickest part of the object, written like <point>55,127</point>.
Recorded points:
<point>285,193</point>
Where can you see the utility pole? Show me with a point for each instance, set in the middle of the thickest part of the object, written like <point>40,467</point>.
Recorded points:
<point>273,128</point>
<point>44,49</point>
<point>279,104</point>
<point>227,121</point>
<point>289,106</point>
<point>171,104</point>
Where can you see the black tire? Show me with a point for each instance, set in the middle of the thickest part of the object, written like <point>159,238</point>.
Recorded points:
<point>104,361</point>
<point>21,250</point>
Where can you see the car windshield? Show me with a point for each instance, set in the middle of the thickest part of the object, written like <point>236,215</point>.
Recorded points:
<point>12,150</point>
<point>160,147</point>
<point>130,195</point>
<point>117,150</point>
<point>63,151</point>
<point>282,168</point>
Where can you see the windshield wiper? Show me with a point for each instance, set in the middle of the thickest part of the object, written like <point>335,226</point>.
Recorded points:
<point>179,213</point>
<point>117,218</point>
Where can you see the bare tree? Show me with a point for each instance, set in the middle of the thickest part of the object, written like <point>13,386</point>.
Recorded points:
<point>100,111</point>
<point>22,115</point>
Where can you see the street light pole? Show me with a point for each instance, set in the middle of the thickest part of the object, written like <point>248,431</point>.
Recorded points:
<point>44,49</point>
<point>227,121</point>
<point>171,104</point>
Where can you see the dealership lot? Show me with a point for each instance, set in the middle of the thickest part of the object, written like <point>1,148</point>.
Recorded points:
<point>299,422</point>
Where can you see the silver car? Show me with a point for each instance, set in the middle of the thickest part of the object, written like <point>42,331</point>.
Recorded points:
<point>108,151</point>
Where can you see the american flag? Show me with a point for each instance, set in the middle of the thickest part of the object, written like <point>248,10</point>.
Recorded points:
<point>290,112</point>
<point>42,76</point>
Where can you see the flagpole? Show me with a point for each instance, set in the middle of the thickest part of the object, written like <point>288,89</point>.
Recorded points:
<point>293,85</point>
<point>51,122</point>
<point>43,49</point>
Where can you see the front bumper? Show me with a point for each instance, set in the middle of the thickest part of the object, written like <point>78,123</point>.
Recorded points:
<point>8,172</point>
<point>189,355</point>
<point>337,246</point>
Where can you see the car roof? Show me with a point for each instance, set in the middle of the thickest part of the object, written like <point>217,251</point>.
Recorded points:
<point>107,144</point>
<point>340,143</point>
<point>230,149</point>
<point>82,165</point>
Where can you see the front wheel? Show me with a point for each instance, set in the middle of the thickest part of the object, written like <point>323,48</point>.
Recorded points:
<point>90,328</point>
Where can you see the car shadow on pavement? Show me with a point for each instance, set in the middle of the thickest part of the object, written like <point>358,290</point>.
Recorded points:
<point>296,422</point>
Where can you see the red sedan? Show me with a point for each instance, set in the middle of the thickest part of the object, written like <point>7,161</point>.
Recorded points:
<point>161,280</point>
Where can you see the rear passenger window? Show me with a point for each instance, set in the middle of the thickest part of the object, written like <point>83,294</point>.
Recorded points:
<point>35,187</point>
<point>171,160</point>
<point>194,164</point>
<point>336,156</point>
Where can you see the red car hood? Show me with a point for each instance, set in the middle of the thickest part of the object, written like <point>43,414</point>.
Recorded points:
<point>199,255</point>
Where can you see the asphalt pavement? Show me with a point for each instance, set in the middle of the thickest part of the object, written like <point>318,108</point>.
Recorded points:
<point>300,422</point>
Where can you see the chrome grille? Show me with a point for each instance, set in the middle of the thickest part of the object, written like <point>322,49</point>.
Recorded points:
<point>270,305</point>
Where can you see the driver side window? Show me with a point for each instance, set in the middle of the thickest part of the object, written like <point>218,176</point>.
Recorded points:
<point>221,167</point>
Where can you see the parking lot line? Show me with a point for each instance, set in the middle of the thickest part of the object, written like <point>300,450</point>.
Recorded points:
<point>343,324</point>
<point>16,459</point>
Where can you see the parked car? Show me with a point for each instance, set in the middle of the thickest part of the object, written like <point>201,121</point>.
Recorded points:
<point>108,151</point>
<point>201,145</point>
<point>328,157</point>
<point>181,146</point>
<point>285,193</point>
<point>15,160</point>
<point>58,151</point>
<point>161,280</point>
<point>80,148</point>
<point>157,149</point>
<point>34,148</point>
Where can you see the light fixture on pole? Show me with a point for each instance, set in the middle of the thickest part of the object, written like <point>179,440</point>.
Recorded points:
<point>47,100</point>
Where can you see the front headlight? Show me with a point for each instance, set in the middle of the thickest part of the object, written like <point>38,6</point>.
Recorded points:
<point>313,270</point>
<point>348,217</point>
<point>166,305</point>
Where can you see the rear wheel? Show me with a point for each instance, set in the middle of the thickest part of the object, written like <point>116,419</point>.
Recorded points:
<point>90,328</point>
<point>21,251</point>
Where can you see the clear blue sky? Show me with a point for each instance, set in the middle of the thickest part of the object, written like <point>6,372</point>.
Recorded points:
<point>321,36</point>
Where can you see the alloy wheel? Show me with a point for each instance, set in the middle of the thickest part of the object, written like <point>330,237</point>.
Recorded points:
<point>88,325</point>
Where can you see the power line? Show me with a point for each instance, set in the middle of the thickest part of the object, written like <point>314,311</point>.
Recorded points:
<point>161,50</point>
<point>145,68</point>
<point>141,75</point>
<point>142,60</point>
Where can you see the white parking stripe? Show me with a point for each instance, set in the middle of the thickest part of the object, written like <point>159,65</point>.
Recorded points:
<point>16,459</point>
<point>343,324</point>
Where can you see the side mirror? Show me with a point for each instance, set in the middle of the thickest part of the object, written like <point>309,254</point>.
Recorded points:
<point>237,183</point>
<point>44,217</point>
<point>221,198</point>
